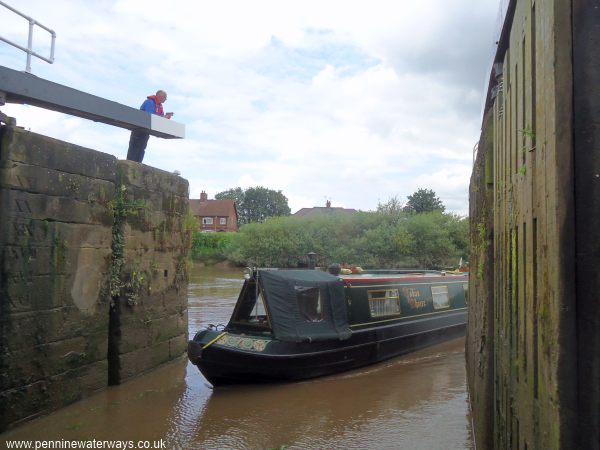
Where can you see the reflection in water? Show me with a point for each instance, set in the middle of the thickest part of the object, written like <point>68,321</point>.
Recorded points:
<point>417,401</point>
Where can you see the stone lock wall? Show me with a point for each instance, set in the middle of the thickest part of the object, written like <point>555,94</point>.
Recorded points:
<point>149,317</point>
<point>73,317</point>
<point>479,346</point>
<point>523,384</point>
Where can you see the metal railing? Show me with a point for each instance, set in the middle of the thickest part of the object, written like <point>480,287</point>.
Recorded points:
<point>29,49</point>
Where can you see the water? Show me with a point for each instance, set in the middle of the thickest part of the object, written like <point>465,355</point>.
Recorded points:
<point>414,402</point>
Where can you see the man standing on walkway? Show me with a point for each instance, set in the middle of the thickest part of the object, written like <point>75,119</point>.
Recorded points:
<point>139,138</point>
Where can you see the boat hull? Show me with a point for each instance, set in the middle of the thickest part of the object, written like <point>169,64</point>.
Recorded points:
<point>226,358</point>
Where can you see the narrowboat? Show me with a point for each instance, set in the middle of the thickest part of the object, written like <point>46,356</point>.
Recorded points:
<point>291,325</point>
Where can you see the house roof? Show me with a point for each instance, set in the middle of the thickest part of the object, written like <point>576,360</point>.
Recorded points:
<point>211,208</point>
<point>309,212</point>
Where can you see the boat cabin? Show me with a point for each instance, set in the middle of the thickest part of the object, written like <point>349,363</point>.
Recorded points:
<point>380,296</point>
<point>310,305</point>
<point>292,305</point>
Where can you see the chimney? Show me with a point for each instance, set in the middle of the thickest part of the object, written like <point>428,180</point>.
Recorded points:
<point>203,196</point>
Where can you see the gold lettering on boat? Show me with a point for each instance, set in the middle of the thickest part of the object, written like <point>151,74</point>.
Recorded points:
<point>413,296</point>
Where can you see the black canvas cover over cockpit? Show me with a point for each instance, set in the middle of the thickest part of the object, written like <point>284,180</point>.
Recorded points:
<point>305,305</point>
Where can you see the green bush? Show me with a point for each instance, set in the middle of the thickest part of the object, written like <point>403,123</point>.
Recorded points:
<point>387,238</point>
<point>368,239</point>
<point>210,247</point>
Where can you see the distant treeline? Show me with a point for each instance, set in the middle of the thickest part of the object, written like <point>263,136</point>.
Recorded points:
<point>390,237</point>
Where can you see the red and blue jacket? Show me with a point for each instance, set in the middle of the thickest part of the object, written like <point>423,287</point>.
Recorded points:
<point>152,106</point>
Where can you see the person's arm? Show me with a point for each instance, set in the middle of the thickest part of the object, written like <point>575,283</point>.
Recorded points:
<point>148,106</point>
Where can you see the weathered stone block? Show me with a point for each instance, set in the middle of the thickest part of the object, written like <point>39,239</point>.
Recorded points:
<point>175,301</point>
<point>36,150</point>
<point>157,269</point>
<point>23,403</point>
<point>30,365</point>
<point>31,400</point>
<point>165,328</point>
<point>151,179</point>
<point>94,377</point>
<point>76,279</point>
<point>30,329</point>
<point>35,293</point>
<point>142,360</point>
<point>159,204</point>
<point>39,233</point>
<point>77,383</point>
<point>26,262</point>
<point>144,219</point>
<point>136,337</point>
<point>24,205</point>
<point>157,238</point>
<point>42,180</point>
<point>90,279</point>
<point>161,304</point>
<point>178,345</point>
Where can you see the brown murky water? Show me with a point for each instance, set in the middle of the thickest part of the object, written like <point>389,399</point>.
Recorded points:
<point>414,402</point>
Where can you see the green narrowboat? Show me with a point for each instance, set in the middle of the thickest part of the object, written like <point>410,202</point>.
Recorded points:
<point>297,324</point>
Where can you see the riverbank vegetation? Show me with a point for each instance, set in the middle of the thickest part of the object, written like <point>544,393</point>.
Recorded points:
<point>209,248</point>
<point>390,237</point>
<point>256,204</point>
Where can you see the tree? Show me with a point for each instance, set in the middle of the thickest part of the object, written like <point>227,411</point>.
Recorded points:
<point>430,239</point>
<point>256,204</point>
<point>392,210</point>
<point>235,194</point>
<point>424,200</point>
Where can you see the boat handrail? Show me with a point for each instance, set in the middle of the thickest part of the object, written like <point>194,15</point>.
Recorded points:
<point>403,271</point>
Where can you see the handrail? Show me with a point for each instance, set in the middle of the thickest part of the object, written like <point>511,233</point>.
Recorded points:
<point>29,49</point>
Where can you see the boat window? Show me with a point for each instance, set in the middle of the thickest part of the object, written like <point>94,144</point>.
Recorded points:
<point>384,302</point>
<point>309,303</point>
<point>251,307</point>
<point>440,297</point>
<point>259,308</point>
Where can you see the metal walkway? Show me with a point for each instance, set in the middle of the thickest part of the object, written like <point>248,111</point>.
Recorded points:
<point>25,88</point>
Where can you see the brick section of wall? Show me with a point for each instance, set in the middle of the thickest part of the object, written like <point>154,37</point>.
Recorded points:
<point>56,231</point>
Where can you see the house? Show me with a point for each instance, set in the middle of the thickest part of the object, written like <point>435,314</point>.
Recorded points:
<point>214,215</point>
<point>327,209</point>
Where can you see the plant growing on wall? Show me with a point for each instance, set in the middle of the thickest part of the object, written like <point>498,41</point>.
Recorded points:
<point>121,207</point>
<point>528,132</point>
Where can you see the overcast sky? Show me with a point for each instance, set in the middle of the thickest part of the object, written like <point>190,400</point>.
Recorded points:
<point>350,101</point>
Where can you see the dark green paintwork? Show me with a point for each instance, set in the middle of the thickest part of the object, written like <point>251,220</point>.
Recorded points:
<point>357,296</point>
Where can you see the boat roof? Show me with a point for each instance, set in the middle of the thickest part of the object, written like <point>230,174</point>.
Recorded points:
<point>400,275</point>
<point>366,275</point>
<point>281,289</point>
<point>300,274</point>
